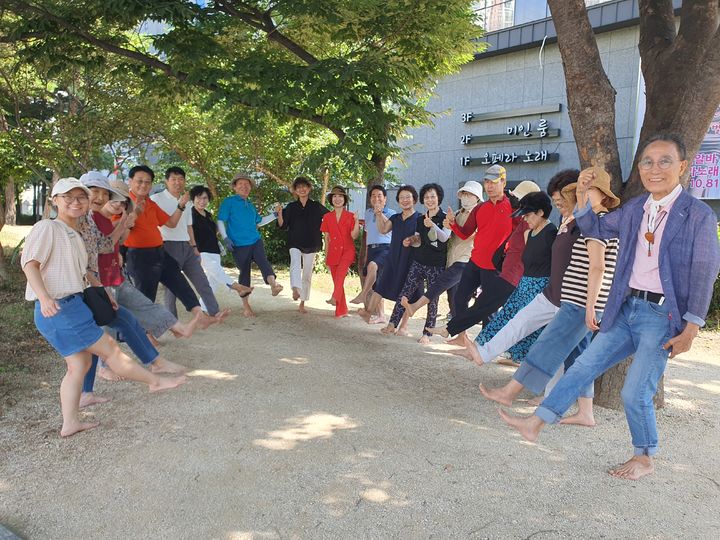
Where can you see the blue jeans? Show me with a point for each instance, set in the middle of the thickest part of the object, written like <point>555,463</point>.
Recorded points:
<point>245,255</point>
<point>641,329</point>
<point>565,337</point>
<point>134,335</point>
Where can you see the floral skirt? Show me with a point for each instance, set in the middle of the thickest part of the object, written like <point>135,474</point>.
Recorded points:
<point>527,289</point>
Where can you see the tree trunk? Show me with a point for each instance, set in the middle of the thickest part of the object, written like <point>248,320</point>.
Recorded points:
<point>3,266</point>
<point>325,184</point>
<point>609,385</point>
<point>10,206</point>
<point>590,96</point>
<point>48,201</point>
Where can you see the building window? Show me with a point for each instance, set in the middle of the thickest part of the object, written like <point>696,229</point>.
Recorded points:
<point>499,14</point>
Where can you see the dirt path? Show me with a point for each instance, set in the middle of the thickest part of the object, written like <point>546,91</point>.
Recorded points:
<point>307,427</point>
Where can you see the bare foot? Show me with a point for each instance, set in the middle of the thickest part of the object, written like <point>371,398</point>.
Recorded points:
<point>108,374</point>
<point>89,398</point>
<point>529,427</point>
<point>295,293</point>
<point>359,299</point>
<point>365,315</point>
<point>186,330</point>
<point>167,383</point>
<point>155,343</point>
<point>248,312</point>
<point>424,340</point>
<point>410,308</point>
<point>242,290</point>
<point>342,316</point>
<point>275,289</point>
<point>205,320</point>
<point>388,330</point>
<point>497,395</point>
<point>222,315</point>
<point>402,332</point>
<point>471,353</point>
<point>439,331</point>
<point>302,309</point>
<point>376,319</point>
<point>634,468</point>
<point>72,428</point>
<point>461,340</point>
<point>330,301</point>
<point>579,419</point>
<point>161,365</point>
<point>462,352</point>
<point>534,402</point>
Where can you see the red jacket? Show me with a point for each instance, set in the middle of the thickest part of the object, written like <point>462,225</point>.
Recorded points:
<point>493,225</point>
<point>341,246</point>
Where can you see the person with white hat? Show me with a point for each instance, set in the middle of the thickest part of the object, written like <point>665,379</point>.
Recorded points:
<point>54,261</point>
<point>458,255</point>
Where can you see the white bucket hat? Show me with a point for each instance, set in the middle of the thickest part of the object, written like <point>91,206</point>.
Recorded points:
<point>473,188</point>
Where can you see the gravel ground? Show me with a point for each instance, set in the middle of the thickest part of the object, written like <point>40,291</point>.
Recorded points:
<point>309,427</point>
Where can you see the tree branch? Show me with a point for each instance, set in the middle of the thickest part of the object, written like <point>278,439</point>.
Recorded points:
<point>657,28</point>
<point>698,20</point>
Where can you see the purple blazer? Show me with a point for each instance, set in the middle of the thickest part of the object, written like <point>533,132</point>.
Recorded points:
<point>689,256</point>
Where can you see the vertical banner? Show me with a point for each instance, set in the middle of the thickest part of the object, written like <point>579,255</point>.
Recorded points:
<point>705,169</point>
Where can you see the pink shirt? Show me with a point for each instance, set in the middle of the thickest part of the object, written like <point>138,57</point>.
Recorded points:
<point>645,275</point>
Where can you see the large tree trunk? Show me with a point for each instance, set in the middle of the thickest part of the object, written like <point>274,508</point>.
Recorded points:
<point>590,96</point>
<point>10,206</point>
<point>47,211</point>
<point>3,266</point>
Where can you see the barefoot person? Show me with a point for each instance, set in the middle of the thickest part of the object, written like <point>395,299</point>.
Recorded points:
<point>429,256</point>
<point>377,250</point>
<point>668,261</point>
<point>205,234</point>
<point>238,222</point>
<point>584,293</point>
<point>55,263</point>
<point>459,250</point>
<point>402,225</point>
<point>95,230</point>
<point>147,262</point>
<point>179,242</point>
<point>340,228</point>
<point>537,257</point>
<point>302,219</point>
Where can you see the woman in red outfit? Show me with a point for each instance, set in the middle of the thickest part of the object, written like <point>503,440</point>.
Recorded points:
<point>341,228</point>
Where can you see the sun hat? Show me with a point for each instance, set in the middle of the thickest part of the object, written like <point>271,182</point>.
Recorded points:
<point>123,193</point>
<point>242,176</point>
<point>601,182</point>
<point>523,188</point>
<point>68,184</point>
<point>338,190</point>
<point>495,173</point>
<point>473,187</point>
<point>95,179</point>
<point>532,202</point>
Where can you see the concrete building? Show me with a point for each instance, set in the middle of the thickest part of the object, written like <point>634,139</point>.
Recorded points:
<point>509,104</point>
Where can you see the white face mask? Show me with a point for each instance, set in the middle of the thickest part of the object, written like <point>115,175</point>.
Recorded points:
<point>468,201</point>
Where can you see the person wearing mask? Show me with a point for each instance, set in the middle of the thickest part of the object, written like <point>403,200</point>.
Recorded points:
<point>667,264</point>
<point>470,196</point>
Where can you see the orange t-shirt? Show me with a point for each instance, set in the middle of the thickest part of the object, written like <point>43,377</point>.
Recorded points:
<point>145,232</point>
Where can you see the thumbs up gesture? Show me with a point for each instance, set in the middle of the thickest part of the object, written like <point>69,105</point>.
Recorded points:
<point>450,216</point>
<point>427,221</point>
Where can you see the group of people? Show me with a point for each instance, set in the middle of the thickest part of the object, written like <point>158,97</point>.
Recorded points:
<point>563,304</point>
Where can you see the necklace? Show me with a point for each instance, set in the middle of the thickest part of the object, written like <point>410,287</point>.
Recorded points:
<point>650,235</point>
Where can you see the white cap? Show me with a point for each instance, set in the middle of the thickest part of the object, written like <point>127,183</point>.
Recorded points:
<point>523,188</point>
<point>99,180</point>
<point>68,184</point>
<point>472,187</point>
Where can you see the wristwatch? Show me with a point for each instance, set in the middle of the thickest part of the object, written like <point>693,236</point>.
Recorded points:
<point>181,208</point>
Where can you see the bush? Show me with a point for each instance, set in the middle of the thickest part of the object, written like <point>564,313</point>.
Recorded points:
<point>713,318</point>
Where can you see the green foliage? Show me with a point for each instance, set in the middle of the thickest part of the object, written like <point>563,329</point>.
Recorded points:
<point>713,318</point>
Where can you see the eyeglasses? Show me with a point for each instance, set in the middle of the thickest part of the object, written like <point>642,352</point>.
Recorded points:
<point>663,164</point>
<point>70,199</point>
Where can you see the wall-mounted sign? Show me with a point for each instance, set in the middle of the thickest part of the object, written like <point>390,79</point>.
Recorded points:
<point>524,111</point>
<point>705,170</point>
<point>514,132</point>
<point>492,158</point>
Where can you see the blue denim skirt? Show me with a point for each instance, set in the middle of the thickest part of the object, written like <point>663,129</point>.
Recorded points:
<point>72,329</point>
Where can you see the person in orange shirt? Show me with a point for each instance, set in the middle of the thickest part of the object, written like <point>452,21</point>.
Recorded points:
<point>147,263</point>
<point>341,228</point>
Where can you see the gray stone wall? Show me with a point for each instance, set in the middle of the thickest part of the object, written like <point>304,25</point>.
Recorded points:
<point>510,81</point>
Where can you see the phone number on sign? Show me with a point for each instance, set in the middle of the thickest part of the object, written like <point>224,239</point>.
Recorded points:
<point>709,183</point>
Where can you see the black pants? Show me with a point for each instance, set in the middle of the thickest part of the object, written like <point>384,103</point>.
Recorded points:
<point>495,291</point>
<point>150,266</point>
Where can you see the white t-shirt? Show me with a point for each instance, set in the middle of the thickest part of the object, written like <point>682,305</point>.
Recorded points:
<point>168,203</point>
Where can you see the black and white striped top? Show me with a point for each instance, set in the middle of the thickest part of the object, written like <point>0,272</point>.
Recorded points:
<point>575,280</point>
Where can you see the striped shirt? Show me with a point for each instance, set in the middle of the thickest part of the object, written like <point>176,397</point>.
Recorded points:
<point>575,280</point>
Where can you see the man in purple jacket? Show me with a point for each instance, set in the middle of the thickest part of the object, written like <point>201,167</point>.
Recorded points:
<point>667,264</point>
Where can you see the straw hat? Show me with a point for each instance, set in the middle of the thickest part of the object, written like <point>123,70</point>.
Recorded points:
<point>338,190</point>
<point>601,182</point>
<point>243,176</point>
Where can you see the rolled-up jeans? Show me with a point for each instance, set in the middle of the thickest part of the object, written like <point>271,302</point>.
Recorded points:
<point>134,335</point>
<point>565,336</point>
<point>640,329</point>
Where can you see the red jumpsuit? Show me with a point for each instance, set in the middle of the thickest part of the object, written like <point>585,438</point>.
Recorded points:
<point>340,253</point>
